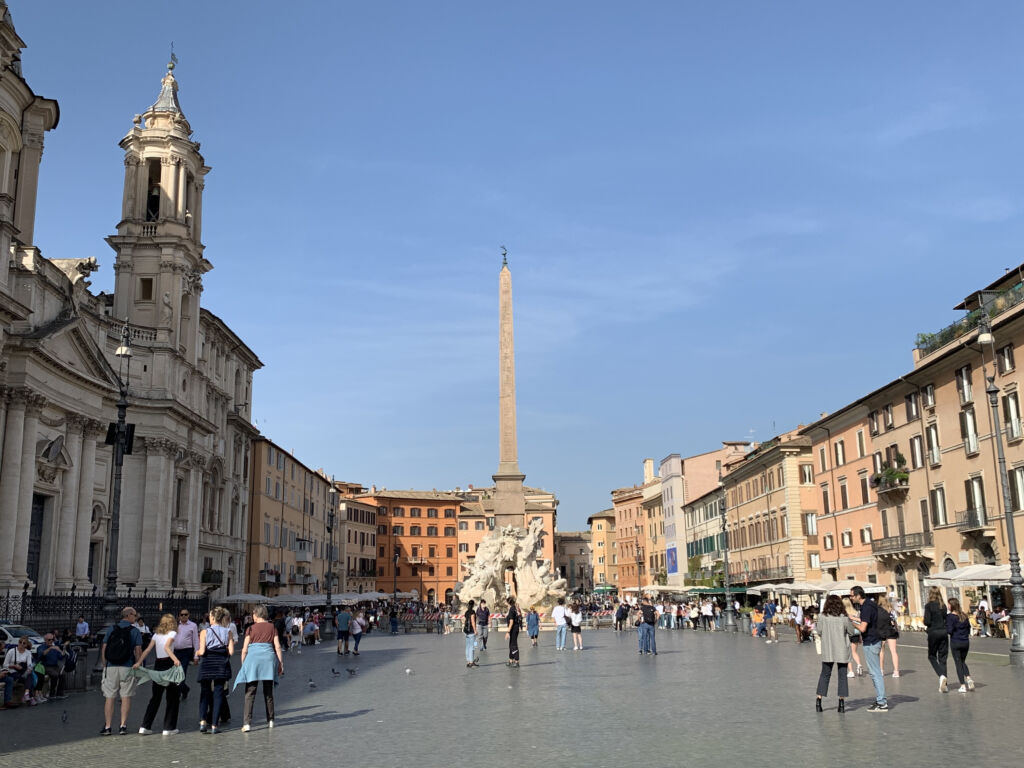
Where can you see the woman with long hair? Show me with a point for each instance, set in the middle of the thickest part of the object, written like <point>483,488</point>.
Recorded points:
<point>162,643</point>
<point>515,622</point>
<point>938,640</point>
<point>854,640</point>
<point>216,646</point>
<point>533,625</point>
<point>958,627</point>
<point>262,662</point>
<point>890,642</point>
<point>356,627</point>
<point>469,630</point>
<point>835,629</point>
<point>576,626</point>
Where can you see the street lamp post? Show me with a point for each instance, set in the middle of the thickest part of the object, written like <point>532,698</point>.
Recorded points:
<point>1016,581</point>
<point>119,435</point>
<point>639,564</point>
<point>394,573</point>
<point>729,616</point>
<point>332,499</point>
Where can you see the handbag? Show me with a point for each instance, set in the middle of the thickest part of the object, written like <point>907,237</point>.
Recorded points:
<point>39,669</point>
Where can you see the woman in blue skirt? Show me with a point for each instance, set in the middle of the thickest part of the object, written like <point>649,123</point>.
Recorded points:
<point>262,662</point>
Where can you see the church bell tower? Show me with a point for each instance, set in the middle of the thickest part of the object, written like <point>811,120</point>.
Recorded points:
<point>160,264</point>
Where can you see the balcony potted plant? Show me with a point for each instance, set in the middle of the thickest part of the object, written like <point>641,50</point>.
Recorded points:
<point>891,477</point>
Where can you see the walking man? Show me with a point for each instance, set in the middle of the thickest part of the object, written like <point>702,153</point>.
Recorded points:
<point>186,643</point>
<point>872,644</point>
<point>558,614</point>
<point>648,621</point>
<point>341,622</point>
<point>796,621</point>
<point>769,621</point>
<point>122,646</point>
<point>483,621</point>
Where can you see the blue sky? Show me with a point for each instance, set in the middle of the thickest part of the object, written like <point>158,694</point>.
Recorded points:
<point>722,219</point>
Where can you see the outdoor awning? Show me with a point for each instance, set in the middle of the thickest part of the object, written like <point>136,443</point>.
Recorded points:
<point>716,590</point>
<point>243,597</point>
<point>970,575</point>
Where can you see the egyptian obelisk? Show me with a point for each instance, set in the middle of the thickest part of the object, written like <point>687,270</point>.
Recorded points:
<point>509,501</point>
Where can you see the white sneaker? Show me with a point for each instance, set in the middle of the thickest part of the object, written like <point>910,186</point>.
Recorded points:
<point>171,732</point>
<point>943,684</point>
<point>970,684</point>
<point>850,674</point>
<point>896,673</point>
<point>768,641</point>
<point>246,728</point>
<point>270,723</point>
<point>145,731</point>
<point>963,689</point>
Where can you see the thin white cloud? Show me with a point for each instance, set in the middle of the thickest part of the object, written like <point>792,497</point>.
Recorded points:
<point>933,117</point>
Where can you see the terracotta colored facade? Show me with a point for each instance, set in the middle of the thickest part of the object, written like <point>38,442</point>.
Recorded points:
<point>604,548</point>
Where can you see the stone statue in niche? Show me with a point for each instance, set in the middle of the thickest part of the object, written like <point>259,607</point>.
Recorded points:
<point>166,309</point>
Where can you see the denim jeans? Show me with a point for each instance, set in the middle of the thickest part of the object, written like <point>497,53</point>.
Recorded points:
<point>871,658</point>
<point>646,637</point>
<point>470,644</point>
<point>560,635</point>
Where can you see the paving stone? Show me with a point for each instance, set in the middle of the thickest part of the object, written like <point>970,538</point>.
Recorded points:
<point>707,698</point>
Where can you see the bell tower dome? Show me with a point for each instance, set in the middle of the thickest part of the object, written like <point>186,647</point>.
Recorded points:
<point>159,265</point>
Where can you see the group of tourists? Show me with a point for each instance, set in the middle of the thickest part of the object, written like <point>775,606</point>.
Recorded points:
<point>178,643</point>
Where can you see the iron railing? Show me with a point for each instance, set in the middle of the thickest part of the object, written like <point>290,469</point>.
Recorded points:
<point>908,542</point>
<point>973,519</point>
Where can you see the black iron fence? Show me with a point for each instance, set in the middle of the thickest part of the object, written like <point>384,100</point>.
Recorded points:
<point>61,611</point>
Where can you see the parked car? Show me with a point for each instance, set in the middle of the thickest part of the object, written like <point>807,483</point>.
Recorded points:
<point>9,634</point>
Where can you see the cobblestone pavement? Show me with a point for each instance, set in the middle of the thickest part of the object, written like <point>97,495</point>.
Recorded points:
<point>710,697</point>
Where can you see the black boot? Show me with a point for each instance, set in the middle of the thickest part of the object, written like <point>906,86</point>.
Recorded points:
<point>817,704</point>
<point>842,706</point>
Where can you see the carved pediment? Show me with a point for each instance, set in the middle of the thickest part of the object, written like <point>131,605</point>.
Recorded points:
<point>72,348</point>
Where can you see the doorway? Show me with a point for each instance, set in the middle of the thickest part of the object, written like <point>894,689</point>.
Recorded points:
<point>35,537</point>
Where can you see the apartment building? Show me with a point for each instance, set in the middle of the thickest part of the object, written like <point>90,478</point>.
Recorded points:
<point>604,551</point>
<point>356,546</point>
<point>573,558</point>
<point>705,538</point>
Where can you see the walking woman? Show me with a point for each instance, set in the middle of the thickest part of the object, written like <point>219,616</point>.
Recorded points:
<point>262,662</point>
<point>890,642</point>
<point>854,640</point>
<point>469,630</point>
<point>356,627</point>
<point>958,627</point>
<point>162,643</point>
<point>216,646</point>
<point>836,629</point>
<point>576,626</point>
<point>515,622</point>
<point>938,640</point>
<point>533,625</point>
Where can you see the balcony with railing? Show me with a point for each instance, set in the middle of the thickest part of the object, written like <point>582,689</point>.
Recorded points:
<point>934,457</point>
<point>771,574</point>
<point>993,304</point>
<point>908,542</point>
<point>212,576</point>
<point>971,444</point>
<point>303,551</point>
<point>974,519</point>
<point>269,577</point>
<point>1014,430</point>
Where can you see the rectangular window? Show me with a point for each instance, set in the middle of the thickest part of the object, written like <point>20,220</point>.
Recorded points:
<point>463,547</point>
<point>963,384</point>
<point>269,489</point>
<point>463,525</point>
<point>1016,478</point>
<point>865,535</point>
<point>861,450</point>
<point>448,552</point>
<point>448,571</point>
<point>887,416</point>
<point>814,559</point>
<point>277,490</point>
<point>840,450</point>
<point>449,513</point>
<point>876,461</point>
<point>1011,413</point>
<point>974,488</point>
<point>916,452</point>
<point>925,519</point>
<point>431,513</point>
<point>1004,359</point>
<point>830,542</point>
<point>398,530</point>
<point>478,525</point>
<point>969,431</point>
<point>864,496</point>
<point>844,496</point>
<point>415,512</point>
<point>431,530</point>
<point>873,423</point>
<point>145,289</point>
<point>911,404</point>
<point>807,474</point>
<point>449,530</point>
<point>822,461</point>
<point>928,395</point>
<point>398,512</point>
<point>825,508</point>
<point>847,538</point>
<point>415,530</point>
<point>937,496</point>
<point>932,437</point>
<point>810,524</point>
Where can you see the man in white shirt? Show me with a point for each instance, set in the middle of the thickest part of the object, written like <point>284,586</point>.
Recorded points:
<point>558,614</point>
<point>796,620</point>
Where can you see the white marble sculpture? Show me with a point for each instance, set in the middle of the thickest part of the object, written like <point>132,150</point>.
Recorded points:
<point>518,550</point>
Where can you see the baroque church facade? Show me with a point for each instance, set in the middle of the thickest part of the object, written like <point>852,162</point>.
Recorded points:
<point>183,512</point>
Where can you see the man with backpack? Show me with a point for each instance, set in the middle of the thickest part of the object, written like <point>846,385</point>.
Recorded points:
<point>871,642</point>
<point>122,646</point>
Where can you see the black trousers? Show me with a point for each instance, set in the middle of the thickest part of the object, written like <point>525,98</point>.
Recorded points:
<point>938,650</point>
<point>157,695</point>
<point>826,676</point>
<point>513,645</point>
<point>959,651</point>
<point>250,699</point>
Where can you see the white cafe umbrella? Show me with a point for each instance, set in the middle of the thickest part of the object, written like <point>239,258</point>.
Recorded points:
<point>243,597</point>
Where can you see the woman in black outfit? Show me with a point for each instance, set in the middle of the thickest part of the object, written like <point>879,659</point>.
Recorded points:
<point>515,622</point>
<point>938,639</point>
<point>959,628</point>
<point>216,647</point>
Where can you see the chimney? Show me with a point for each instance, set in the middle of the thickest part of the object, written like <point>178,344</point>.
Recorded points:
<point>648,470</point>
<point>373,489</point>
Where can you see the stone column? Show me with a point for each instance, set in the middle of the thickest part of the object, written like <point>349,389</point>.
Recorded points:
<point>150,504</point>
<point>68,518</point>
<point>166,187</point>
<point>86,484</point>
<point>131,172</point>
<point>10,478</point>
<point>197,214</point>
<point>162,565</point>
<point>33,407</point>
<point>181,191</point>
<point>141,189</point>
<point>3,413</point>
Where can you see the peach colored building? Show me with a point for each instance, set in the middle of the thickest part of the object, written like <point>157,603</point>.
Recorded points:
<point>630,537</point>
<point>771,516</point>
<point>604,556</point>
